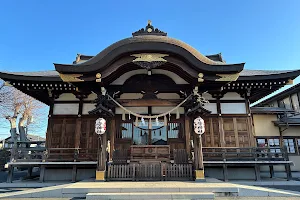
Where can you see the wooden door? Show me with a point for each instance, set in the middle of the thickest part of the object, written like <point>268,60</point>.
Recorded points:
<point>211,137</point>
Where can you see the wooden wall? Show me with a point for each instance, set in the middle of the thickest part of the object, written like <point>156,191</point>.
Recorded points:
<point>237,132</point>
<point>62,133</point>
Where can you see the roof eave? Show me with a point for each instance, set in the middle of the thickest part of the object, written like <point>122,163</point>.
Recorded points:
<point>8,77</point>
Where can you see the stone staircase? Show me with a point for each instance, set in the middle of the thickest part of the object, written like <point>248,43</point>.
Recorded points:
<point>149,190</point>
<point>151,195</point>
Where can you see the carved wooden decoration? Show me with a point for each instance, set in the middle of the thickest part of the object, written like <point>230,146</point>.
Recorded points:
<point>149,60</point>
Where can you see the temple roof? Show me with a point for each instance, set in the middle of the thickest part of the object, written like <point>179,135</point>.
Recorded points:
<point>281,95</point>
<point>149,43</point>
<point>54,75</point>
<point>151,48</point>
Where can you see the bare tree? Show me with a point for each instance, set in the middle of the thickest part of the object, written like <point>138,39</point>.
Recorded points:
<point>19,110</point>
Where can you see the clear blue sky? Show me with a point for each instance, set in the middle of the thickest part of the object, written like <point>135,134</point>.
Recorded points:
<point>263,33</point>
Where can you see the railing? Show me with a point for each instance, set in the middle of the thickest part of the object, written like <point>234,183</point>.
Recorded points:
<point>242,154</point>
<point>149,171</point>
<point>22,153</point>
<point>71,154</point>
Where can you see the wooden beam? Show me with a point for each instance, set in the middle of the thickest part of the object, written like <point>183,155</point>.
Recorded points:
<point>148,102</point>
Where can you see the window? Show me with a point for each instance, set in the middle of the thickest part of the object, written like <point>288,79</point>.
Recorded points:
<point>274,143</point>
<point>261,143</point>
<point>126,130</point>
<point>174,130</point>
<point>298,145</point>
<point>270,142</point>
<point>290,145</point>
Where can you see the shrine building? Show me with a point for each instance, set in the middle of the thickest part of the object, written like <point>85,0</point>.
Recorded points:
<point>150,88</point>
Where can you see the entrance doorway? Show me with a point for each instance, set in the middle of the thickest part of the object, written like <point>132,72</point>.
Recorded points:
<point>157,135</point>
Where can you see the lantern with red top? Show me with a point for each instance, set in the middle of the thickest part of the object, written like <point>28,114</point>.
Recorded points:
<point>100,126</point>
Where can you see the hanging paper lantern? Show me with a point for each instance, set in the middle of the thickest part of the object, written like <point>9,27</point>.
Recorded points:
<point>100,126</point>
<point>199,126</point>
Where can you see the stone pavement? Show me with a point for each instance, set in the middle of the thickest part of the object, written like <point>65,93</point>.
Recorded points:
<point>216,198</point>
<point>221,189</point>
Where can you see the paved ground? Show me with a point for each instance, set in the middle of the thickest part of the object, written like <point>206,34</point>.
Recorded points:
<point>17,175</point>
<point>217,198</point>
<point>295,188</point>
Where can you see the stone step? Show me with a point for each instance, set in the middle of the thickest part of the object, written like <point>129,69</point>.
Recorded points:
<point>137,189</point>
<point>151,195</point>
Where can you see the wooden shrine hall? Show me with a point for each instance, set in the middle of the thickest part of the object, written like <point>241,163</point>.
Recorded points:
<point>149,88</point>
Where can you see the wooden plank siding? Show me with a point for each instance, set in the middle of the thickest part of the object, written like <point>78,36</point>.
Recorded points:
<point>68,133</point>
<point>237,132</point>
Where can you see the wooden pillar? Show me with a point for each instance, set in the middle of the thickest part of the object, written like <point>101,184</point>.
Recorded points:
<point>236,134</point>
<point>49,126</point>
<point>212,134</point>
<point>78,124</point>
<point>225,172</point>
<point>112,132</point>
<point>271,167</point>
<point>74,173</point>
<point>199,167</point>
<point>29,171</point>
<point>281,142</point>
<point>257,172</point>
<point>288,171</point>
<point>77,132</point>
<point>220,123</point>
<point>187,135</point>
<point>200,153</point>
<point>251,133</point>
<point>63,133</point>
<point>196,152</point>
<point>103,151</point>
<point>102,144</point>
<point>10,174</point>
<point>42,173</point>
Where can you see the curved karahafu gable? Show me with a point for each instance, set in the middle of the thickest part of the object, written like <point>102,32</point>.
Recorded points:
<point>150,42</point>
